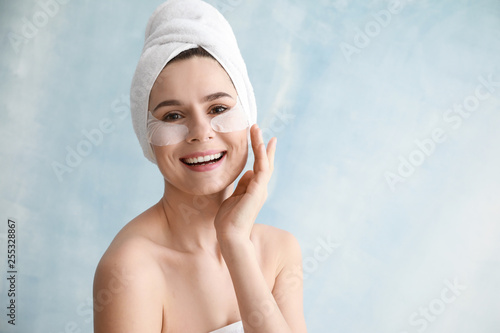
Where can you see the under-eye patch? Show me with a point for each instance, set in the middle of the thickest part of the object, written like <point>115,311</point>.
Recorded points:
<point>163,133</point>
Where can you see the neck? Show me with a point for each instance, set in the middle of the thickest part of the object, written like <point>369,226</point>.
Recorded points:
<point>188,219</point>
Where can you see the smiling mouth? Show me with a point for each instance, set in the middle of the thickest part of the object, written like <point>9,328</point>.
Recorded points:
<point>203,160</point>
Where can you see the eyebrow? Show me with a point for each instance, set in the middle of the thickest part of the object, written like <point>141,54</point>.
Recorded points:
<point>208,98</point>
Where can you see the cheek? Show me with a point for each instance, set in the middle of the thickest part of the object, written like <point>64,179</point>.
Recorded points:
<point>239,152</point>
<point>164,158</point>
<point>238,142</point>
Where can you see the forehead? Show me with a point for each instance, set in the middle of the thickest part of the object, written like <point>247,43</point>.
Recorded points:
<point>191,78</point>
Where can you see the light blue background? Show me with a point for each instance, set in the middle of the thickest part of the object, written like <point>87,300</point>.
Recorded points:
<point>342,122</point>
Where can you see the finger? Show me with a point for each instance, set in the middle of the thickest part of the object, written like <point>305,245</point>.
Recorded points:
<point>271,151</point>
<point>243,183</point>
<point>259,149</point>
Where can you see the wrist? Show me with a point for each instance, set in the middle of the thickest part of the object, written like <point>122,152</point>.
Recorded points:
<point>232,242</point>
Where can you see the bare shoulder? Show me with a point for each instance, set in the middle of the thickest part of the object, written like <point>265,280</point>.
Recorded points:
<point>276,243</point>
<point>271,236</point>
<point>124,296</point>
<point>127,260</point>
<point>129,253</point>
<point>130,248</point>
<point>118,271</point>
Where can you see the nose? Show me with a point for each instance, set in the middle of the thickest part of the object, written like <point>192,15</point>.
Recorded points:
<point>200,128</point>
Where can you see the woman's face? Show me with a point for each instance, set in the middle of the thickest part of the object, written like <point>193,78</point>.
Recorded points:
<point>191,92</point>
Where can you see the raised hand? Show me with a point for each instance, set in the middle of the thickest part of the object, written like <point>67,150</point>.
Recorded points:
<point>237,213</point>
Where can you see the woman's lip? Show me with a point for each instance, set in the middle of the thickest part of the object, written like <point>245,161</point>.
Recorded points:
<point>202,153</point>
<point>205,167</point>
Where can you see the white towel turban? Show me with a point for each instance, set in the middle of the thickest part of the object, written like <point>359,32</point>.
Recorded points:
<point>176,26</point>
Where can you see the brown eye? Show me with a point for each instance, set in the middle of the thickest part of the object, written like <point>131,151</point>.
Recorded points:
<point>171,117</point>
<point>218,109</point>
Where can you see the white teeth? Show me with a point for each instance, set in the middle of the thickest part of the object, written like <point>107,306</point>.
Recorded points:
<point>201,159</point>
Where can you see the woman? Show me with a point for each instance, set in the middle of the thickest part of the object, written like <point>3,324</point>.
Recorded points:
<point>196,261</point>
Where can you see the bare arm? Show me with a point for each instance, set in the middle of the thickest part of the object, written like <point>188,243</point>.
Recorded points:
<point>288,287</point>
<point>259,309</point>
